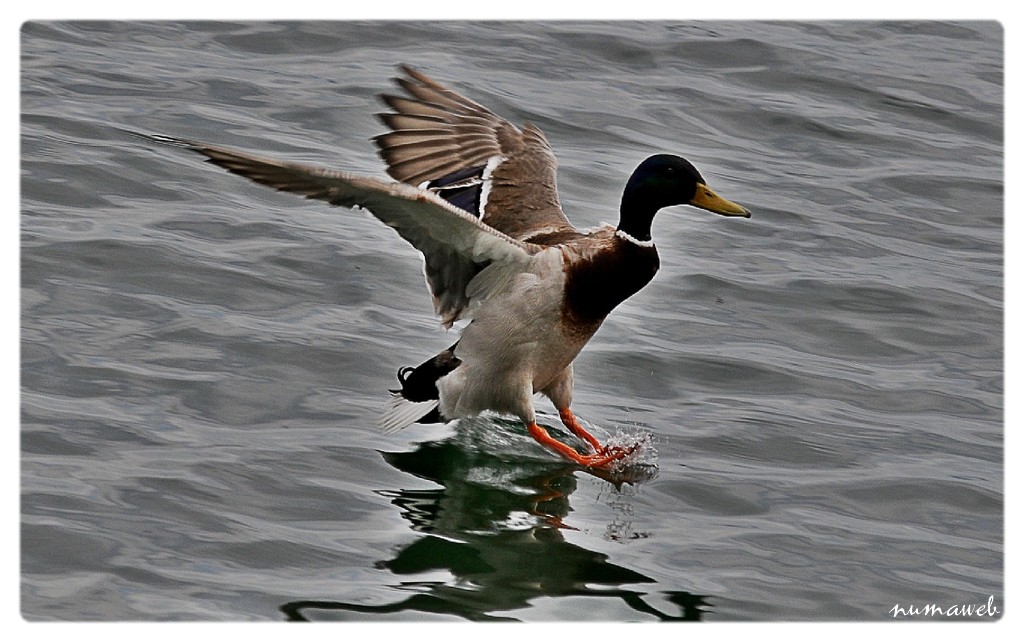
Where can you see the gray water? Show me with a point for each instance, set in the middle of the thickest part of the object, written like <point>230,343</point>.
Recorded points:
<point>203,359</point>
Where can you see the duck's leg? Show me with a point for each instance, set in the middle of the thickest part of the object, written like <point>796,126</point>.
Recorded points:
<point>573,424</point>
<point>560,393</point>
<point>602,458</point>
<point>577,429</point>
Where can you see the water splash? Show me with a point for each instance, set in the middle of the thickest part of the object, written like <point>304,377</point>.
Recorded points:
<point>639,466</point>
<point>640,441</point>
<point>505,439</point>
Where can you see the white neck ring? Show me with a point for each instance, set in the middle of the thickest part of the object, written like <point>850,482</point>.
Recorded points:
<point>635,241</point>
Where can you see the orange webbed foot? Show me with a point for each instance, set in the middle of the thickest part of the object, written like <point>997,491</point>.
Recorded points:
<point>603,456</point>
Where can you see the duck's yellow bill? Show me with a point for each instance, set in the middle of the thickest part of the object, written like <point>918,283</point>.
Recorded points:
<point>706,199</point>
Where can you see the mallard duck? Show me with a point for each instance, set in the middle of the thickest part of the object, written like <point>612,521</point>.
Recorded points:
<point>477,197</point>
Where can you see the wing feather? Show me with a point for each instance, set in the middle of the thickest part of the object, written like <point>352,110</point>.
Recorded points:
<point>455,245</point>
<point>437,133</point>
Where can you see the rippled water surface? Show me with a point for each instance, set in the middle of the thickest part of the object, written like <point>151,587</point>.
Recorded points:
<point>203,359</point>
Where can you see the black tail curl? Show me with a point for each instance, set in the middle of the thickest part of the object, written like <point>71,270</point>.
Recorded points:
<point>420,383</point>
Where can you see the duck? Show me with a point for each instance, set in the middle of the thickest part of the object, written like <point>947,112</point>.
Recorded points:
<point>477,197</point>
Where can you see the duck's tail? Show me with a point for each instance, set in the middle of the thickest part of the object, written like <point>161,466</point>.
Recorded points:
<point>417,400</point>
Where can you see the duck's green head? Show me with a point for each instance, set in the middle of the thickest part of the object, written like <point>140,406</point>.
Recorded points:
<point>662,181</point>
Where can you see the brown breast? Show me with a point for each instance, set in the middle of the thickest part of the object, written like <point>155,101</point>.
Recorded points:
<point>600,276</point>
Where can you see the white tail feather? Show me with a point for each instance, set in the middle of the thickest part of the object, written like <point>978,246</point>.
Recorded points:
<point>401,412</point>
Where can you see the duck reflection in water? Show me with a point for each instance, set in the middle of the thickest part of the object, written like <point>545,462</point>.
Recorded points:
<point>496,525</point>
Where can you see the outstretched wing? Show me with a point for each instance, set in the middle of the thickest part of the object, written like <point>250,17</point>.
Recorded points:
<point>474,159</point>
<point>456,246</point>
